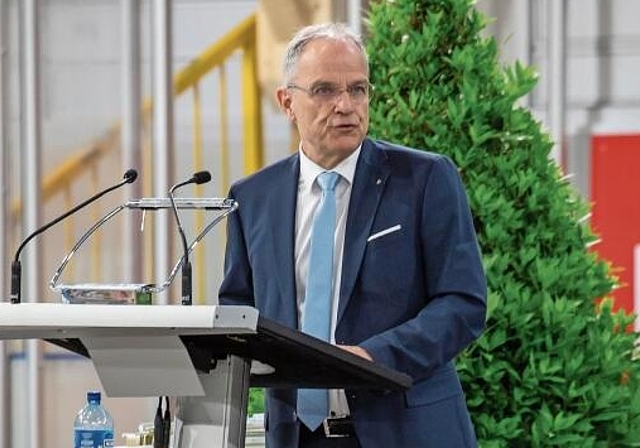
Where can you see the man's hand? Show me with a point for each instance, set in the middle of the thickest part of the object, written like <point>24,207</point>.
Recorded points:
<point>359,351</point>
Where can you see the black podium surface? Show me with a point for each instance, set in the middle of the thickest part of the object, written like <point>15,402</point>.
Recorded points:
<point>299,360</point>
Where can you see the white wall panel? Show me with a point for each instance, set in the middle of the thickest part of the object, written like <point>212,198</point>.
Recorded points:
<point>81,32</point>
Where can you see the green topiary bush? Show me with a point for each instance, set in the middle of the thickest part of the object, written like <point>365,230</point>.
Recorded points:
<point>552,369</point>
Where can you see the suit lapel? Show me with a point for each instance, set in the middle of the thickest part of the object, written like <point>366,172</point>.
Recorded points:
<point>282,218</point>
<point>368,184</point>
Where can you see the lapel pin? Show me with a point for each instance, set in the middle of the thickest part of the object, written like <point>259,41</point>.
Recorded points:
<point>379,181</point>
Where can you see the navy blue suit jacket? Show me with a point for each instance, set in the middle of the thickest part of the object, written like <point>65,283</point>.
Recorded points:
<point>413,298</point>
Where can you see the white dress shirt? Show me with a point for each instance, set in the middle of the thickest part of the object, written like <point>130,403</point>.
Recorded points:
<point>309,195</point>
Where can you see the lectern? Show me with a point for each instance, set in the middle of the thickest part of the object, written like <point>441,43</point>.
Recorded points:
<point>207,356</point>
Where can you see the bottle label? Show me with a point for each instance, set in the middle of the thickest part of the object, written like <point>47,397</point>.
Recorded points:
<point>93,438</point>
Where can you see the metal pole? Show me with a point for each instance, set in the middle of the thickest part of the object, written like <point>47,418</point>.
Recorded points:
<point>5,223</point>
<point>556,101</point>
<point>31,175</point>
<point>162,133</point>
<point>131,126</point>
<point>354,14</point>
<point>4,146</point>
<point>522,23</point>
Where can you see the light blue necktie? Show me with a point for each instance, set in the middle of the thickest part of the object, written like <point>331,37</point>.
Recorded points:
<point>313,404</point>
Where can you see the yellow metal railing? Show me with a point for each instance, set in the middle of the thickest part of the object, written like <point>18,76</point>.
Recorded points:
<point>61,182</point>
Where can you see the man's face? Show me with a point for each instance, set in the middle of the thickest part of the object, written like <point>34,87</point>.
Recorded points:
<point>327,99</point>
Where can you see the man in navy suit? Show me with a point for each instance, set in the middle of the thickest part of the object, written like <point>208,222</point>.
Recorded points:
<point>408,288</point>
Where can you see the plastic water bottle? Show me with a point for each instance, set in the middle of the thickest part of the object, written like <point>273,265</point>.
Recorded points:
<point>93,427</point>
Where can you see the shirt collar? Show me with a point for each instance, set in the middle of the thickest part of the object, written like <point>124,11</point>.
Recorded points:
<point>309,170</point>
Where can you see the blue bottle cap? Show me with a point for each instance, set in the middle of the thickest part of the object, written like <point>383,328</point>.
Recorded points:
<point>93,397</point>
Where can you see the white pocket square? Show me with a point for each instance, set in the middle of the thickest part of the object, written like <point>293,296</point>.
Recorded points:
<point>384,232</point>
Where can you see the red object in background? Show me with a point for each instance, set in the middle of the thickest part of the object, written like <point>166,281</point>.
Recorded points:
<point>615,195</point>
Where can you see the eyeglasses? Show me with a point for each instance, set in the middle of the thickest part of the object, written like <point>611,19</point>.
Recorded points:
<point>326,92</point>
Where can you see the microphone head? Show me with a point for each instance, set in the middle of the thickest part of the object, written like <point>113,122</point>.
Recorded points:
<point>130,176</point>
<point>201,177</point>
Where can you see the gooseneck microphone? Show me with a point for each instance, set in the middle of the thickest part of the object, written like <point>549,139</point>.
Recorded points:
<point>200,177</point>
<point>16,267</point>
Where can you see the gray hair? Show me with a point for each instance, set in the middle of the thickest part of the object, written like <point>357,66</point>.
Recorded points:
<point>333,31</point>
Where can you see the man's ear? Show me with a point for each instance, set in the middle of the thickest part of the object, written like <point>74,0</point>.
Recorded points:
<point>283,98</point>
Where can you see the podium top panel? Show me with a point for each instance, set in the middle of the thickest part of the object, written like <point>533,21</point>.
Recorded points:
<point>75,321</point>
